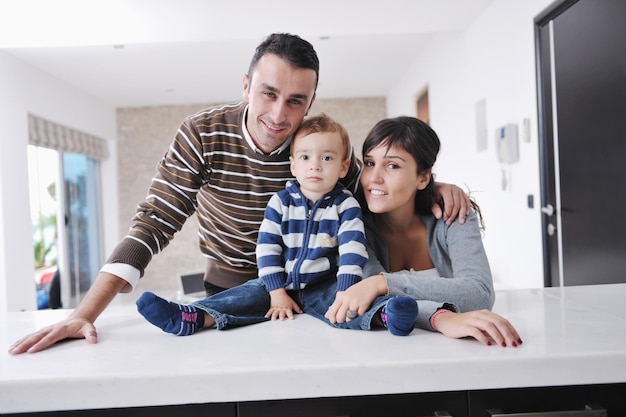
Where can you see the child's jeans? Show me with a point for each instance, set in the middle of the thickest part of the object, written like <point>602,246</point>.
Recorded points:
<point>249,302</point>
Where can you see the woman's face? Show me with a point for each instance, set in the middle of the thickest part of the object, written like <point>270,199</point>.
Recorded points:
<point>390,180</point>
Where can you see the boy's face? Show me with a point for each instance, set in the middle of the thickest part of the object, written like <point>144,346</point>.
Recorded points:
<point>317,162</point>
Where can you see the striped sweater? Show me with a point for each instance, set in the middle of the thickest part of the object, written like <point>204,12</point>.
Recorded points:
<point>302,243</point>
<point>210,169</point>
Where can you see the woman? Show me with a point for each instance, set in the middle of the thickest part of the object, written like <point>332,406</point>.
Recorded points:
<point>443,267</point>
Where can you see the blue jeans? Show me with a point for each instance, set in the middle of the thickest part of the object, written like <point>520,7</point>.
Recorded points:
<point>249,302</point>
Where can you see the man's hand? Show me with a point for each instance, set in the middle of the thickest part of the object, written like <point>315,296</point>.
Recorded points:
<point>455,202</point>
<point>79,325</point>
<point>282,305</point>
<point>70,328</point>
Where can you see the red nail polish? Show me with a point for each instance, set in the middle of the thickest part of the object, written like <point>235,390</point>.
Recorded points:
<point>513,344</point>
<point>489,343</point>
<point>503,344</point>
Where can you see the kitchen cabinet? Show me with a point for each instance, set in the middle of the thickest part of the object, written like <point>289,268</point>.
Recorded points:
<point>568,401</point>
<point>572,401</point>
<point>397,405</point>
<point>523,402</point>
<point>189,410</point>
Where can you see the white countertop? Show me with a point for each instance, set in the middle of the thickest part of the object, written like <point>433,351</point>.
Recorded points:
<point>572,336</point>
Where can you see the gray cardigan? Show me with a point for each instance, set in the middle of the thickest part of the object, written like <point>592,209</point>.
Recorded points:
<point>464,282</point>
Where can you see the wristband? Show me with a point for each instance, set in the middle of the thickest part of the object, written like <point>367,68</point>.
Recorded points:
<point>435,314</point>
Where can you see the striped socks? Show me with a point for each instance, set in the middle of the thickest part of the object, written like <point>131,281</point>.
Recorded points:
<point>178,319</point>
<point>399,315</point>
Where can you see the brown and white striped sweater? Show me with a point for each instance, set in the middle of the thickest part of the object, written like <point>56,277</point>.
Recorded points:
<point>211,170</point>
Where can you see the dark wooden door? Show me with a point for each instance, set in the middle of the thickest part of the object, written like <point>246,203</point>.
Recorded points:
<point>581,69</point>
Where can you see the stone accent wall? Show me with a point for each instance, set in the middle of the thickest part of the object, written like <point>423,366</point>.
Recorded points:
<point>145,133</point>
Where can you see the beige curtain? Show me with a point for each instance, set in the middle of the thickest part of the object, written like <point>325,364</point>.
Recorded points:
<point>51,135</point>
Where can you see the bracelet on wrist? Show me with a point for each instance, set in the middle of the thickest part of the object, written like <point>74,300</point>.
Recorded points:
<point>434,315</point>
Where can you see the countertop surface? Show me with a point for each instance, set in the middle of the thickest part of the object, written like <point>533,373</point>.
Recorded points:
<point>572,336</point>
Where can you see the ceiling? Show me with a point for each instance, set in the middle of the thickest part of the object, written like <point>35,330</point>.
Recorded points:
<point>157,52</point>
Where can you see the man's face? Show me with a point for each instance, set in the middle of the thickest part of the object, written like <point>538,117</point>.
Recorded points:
<point>279,96</point>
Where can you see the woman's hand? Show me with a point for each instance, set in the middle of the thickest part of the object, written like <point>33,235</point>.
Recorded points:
<point>455,202</point>
<point>282,305</point>
<point>483,325</point>
<point>358,298</point>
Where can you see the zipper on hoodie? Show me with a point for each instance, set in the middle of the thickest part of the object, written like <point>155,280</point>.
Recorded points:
<point>304,249</point>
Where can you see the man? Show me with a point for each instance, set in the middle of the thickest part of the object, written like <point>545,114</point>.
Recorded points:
<point>224,164</point>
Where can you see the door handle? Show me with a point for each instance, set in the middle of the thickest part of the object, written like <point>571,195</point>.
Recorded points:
<point>437,414</point>
<point>548,209</point>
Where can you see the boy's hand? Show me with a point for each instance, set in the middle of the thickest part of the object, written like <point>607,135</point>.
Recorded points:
<point>282,305</point>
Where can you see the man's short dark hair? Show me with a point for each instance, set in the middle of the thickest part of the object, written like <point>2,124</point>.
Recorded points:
<point>299,52</point>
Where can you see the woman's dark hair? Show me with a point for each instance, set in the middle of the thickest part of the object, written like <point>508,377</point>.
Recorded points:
<point>299,52</point>
<point>418,139</point>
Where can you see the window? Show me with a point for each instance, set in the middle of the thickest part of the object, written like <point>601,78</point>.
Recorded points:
<point>65,208</point>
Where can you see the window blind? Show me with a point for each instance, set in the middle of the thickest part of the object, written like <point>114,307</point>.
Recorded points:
<point>51,135</point>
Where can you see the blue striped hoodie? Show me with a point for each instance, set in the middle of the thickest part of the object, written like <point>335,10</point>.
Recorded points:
<point>301,243</point>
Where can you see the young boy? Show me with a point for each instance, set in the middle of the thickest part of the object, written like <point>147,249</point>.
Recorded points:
<point>311,245</point>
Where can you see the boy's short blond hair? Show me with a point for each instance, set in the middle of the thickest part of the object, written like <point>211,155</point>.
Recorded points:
<point>325,124</point>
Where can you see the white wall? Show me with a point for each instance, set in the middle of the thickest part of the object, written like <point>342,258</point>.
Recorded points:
<point>494,59</point>
<point>27,90</point>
